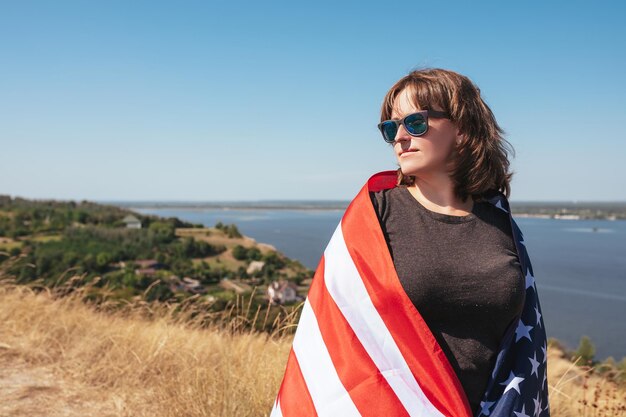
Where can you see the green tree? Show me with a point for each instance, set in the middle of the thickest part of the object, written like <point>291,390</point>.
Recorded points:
<point>240,253</point>
<point>254,254</point>
<point>586,351</point>
<point>232,231</point>
<point>163,232</point>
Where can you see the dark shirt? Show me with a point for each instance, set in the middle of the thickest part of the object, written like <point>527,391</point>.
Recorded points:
<point>463,275</point>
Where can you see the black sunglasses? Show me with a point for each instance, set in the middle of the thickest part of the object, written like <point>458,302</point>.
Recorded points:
<point>415,123</point>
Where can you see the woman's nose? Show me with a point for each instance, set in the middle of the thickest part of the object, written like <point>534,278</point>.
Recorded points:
<point>402,134</point>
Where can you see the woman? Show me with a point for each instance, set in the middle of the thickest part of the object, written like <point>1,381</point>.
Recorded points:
<point>424,301</point>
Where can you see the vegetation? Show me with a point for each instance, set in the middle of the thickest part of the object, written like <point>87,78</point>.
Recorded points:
<point>584,357</point>
<point>61,355</point>
<point>51,243</point>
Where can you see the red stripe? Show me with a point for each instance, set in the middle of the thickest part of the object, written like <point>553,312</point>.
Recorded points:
<point>367,387</point>
<point>294,397</point>
<point>428,363</point>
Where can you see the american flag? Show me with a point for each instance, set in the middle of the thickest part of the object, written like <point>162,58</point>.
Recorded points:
<point>361,348</point>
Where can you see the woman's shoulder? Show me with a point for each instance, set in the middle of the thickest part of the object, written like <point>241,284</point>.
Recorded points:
<point>380,199</point>
<point>492,214</point>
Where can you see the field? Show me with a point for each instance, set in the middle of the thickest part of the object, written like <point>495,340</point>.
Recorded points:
<point>62,357</point>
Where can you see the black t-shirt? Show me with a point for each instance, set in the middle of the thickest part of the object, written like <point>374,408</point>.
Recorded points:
<point>463,275</point>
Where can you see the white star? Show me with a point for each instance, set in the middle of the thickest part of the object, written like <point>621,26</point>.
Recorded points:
<point>545,378</point>
<point>484,407</point>
<point>499,205</point>
<point>538,316</point>
<point>530,280</point>
<point>544,348</point>
<point>512,383</point>
<point>537,402</point>
<point>522,331</point>
<point>535,364</point>
<point>521,413</point>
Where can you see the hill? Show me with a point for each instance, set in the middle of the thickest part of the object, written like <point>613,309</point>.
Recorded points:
<point>127,257</point>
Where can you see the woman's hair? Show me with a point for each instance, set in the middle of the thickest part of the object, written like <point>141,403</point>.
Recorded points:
<point>481,162</point>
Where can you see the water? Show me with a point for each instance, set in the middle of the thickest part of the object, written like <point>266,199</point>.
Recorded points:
<point>579,265</point>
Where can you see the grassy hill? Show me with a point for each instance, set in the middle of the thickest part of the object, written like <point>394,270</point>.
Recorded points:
<point>52,243</point>
<point>60,356</point>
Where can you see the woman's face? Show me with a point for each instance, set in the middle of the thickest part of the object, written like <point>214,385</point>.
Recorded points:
<point>427,154</point>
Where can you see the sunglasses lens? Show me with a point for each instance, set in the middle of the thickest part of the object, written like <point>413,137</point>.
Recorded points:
<point>415,124</point>
<point>389,130</point>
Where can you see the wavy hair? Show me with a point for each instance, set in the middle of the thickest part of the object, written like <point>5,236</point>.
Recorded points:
<point>481,163</point>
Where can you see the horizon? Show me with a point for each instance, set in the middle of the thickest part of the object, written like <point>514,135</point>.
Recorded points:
<point>127,202</point>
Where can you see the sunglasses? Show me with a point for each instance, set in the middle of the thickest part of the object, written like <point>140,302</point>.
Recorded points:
<point>415,123</point>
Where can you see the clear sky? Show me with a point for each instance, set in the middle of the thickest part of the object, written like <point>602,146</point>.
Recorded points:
<point>154,100</point>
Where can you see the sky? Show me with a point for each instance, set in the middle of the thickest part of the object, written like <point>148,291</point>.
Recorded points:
<point>248,101</point>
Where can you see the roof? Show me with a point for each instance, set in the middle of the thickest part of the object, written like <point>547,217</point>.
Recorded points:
<point>130,219</point>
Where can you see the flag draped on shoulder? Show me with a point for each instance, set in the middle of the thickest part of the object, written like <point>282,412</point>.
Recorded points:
<point>361,348</point>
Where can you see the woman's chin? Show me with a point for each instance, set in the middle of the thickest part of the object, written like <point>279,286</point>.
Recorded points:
<point>410,169</point>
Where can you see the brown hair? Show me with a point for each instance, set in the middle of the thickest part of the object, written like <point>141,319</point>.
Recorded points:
<point>481,163</point>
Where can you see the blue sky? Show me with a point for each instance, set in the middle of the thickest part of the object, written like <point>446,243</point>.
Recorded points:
<point>150,100</point>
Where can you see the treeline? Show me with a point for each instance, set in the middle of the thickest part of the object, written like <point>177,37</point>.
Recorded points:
<point>20,217</point>
<point>230,229</point>
<point>92,250</point>
<point>54,241</point>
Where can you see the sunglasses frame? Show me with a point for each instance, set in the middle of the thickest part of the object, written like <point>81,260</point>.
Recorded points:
<point>398,122</point>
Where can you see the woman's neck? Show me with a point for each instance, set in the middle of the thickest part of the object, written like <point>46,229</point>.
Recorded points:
<point>438,196</point>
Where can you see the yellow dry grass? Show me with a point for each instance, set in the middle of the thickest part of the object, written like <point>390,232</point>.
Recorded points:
<point>61,357</point>
<point>217,237</point>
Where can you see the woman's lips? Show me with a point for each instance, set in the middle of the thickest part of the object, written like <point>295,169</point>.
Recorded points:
<point>408,152</point>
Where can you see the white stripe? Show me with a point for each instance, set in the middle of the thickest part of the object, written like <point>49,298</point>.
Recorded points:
<point>276,411</point>
<point>348,290</point>
<point>329,396</point>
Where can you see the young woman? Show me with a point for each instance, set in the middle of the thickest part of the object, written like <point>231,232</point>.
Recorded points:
<point>424,301</point>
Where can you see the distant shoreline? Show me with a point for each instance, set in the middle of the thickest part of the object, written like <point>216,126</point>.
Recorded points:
<point>571,211</point>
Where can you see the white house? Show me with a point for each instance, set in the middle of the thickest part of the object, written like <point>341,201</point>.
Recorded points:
<point>132,222</point>
<point>280,292</point>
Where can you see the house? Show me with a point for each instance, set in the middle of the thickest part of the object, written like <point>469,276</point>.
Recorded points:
<point>281,292</point>
<point>132,222</point>
<point>186,284</point>
<point>254,267</point>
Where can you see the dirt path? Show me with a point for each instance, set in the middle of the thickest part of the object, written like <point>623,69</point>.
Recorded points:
<point>39,391</point>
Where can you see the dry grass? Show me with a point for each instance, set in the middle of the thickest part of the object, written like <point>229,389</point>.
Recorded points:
<point>576,392</point>
<point>61,357</point>
<point>216,236</point>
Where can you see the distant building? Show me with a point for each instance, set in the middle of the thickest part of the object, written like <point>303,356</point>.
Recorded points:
<point>281,292</point>
<point>186,284</point>
<point>132,222</point>
<point>567,216</point>
<point>255,266</point>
